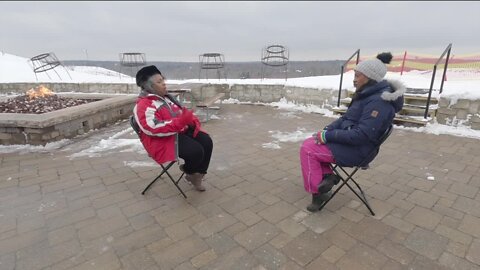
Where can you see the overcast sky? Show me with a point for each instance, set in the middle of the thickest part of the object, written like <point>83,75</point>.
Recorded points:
<point>180,31</point>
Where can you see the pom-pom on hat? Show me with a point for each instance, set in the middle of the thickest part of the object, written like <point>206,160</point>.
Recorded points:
<point>145,73</point>
<point>375,69</point>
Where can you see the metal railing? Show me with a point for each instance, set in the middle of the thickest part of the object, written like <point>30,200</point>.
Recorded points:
<point>357,53</point>
<point>447,51</point>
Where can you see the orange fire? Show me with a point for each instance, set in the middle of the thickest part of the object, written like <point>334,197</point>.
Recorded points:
<point>39,92</point>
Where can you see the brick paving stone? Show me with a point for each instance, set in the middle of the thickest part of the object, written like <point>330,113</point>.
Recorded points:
<point>350,214</point>
<point>424,263</point>
<point>464,190</point>
<point>398,223</point>
<point>137,239</point>
<point>138,259</point>
<point>102,227</point>
<point>423,199</point>
<point>268,198</point>
<point>362,257</point>
<point>381,208</point>
<point>204,258</point>
<point>454,262</point>
<point>179,252</point>
<point>453,234</point>
<point>39,256</point>
<point>397,252</point>
<point>426,243</point>
<point>230,260</point>
<point>320,222</point>
<point>380,191</point>
<point>256,188</point>
<point>8,261</point>
<point>248,217</point>
<point>21,241</point>
<point>256,235</point>
<point>269,257</point>
<point>277,212</point>
<point>369,231</point>
<point>178,231</point>
<point>235,229</point>
<point>333,254</point>
<point>470,225</point>
<point>473,254</point>
<point>423,217</point>
<point>213,224</point>
<point>61,235</point>
<point>221,243</point>
<point>107,261</point>
<point>291,227</point>
<point>306,247</point>
<point>340,239</point>
<point>175,215</point>
<point>281,240</point>
<point>141,221</point>
<point>238,204</point>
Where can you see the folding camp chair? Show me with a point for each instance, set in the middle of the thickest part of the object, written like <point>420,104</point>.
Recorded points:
<point>349,176</point>
<point>165,168</point>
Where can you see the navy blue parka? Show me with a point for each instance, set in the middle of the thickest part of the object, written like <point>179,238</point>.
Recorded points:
<point>354,135</point>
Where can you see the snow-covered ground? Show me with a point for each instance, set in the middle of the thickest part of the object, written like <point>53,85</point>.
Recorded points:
<point>463,84</point>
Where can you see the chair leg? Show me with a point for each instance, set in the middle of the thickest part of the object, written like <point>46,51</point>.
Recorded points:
<point>165,171</point>
<point>361,196</point>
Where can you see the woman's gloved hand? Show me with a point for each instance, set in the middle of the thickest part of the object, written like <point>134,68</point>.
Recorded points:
<point>186,118</point>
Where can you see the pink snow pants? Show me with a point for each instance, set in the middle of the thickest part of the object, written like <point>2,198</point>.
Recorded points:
<point>315,160</point>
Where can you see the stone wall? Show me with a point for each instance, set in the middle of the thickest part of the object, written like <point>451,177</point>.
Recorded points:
<point>266,93</point>
<point>463,112</point>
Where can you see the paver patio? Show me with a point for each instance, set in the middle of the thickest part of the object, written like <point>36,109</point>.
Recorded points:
<point>60,212</point>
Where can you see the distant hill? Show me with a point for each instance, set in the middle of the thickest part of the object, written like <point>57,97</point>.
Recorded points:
<point>232,70</point>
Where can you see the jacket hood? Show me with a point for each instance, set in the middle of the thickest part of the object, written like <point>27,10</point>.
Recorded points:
<point>395,95</point>
<point>388,90</point>
<point>398,89</point>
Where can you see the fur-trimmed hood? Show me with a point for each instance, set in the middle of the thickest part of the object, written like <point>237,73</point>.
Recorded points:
<point>395,95</point>
<point>388,90</point>
<point>398,89</point>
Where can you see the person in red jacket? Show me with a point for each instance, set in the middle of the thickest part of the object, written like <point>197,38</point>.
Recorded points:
<point>169,131</point>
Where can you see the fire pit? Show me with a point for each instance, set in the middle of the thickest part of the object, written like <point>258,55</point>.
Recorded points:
<point>39,100</point>
<point>41,116</point>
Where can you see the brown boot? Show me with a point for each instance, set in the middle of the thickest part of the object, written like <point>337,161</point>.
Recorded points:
<point>196,180</point>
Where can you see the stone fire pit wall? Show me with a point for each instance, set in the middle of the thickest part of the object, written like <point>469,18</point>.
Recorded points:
<point>39,129</point>
<point>110,88</point>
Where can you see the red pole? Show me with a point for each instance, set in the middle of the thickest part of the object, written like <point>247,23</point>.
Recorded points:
<point>403,62</point>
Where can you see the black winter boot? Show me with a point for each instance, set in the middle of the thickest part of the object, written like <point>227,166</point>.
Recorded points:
<point>329,180</point>
<point>317,200</point>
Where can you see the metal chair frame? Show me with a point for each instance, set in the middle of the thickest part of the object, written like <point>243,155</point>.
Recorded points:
<point>349,176</point>
<point>165,168</point>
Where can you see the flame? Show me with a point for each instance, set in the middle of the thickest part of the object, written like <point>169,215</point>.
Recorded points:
<point>39,92</point>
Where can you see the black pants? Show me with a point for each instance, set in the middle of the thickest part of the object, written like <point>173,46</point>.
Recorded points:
<point>195,151</point>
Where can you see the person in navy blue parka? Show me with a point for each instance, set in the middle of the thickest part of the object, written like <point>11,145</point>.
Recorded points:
<point>351,138</point>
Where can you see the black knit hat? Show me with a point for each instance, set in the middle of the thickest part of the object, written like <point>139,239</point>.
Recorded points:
<point>145,73</point>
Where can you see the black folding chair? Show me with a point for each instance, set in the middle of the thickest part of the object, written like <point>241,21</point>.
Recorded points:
<point>165,168</point>
<point>349,176</point>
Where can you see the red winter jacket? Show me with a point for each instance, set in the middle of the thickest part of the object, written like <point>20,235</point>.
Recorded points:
<point>160,125</point>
